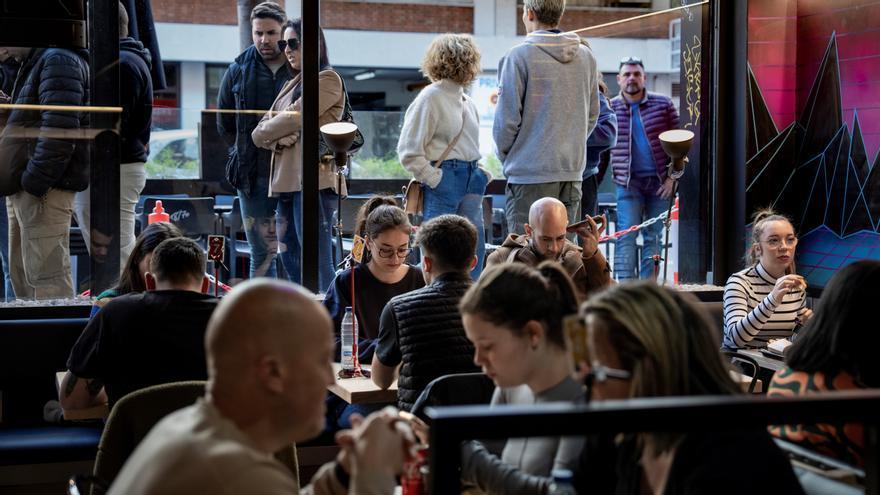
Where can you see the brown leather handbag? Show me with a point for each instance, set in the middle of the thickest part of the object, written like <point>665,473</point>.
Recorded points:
<point>413,195</point>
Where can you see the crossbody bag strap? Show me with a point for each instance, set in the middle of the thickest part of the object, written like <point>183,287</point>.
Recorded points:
<point>457,136</point>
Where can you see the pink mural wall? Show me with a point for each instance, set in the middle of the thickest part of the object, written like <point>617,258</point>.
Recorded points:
<point>787,39</point>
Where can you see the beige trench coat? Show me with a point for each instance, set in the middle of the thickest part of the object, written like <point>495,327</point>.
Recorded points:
<point>283,124</point>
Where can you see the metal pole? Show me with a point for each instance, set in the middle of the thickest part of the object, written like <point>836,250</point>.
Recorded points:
<point>310,64</point>
<point>104,163</point>
<point>731,51</point>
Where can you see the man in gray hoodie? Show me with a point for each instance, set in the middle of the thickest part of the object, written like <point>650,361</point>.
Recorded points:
<point>547,106</point>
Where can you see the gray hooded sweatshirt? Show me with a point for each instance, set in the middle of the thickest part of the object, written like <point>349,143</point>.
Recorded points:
<point>548,103</point>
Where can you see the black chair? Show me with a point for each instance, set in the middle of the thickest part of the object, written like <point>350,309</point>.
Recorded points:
<point>747,366</point>
<point>454,390</point>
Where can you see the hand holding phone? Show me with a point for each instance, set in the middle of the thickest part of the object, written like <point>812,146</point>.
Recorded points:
<point>598,221</point>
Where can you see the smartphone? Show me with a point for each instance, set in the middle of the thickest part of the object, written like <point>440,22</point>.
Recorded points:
<point>599,219</point>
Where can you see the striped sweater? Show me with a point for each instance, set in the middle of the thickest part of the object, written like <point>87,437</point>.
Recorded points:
<point>751,315</point>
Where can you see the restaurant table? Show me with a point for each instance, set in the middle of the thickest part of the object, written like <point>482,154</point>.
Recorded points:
<point>768,365</point>
<point>361,390</point>
<point>96,412</point>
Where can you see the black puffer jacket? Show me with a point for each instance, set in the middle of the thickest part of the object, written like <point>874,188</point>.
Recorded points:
<point>43,149</point>
<point>431,336</point>
<point>136,99</point>
<point>247,85</point>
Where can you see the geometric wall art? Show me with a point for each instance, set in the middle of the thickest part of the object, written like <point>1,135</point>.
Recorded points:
<point>816,171</point>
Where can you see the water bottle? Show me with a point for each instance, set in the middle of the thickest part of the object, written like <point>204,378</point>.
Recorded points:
<point>348,329</point>
<point>562,483</point>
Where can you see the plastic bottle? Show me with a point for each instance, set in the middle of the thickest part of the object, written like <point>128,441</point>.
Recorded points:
<point>347,330</point>
<point>158,214</point>
<point>562,484</point>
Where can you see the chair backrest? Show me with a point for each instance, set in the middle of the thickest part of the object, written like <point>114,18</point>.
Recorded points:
<point>133,417</point>
<point>747,365</point>
<point>194,216</point>
<point>232,219</point>
<point>460,389</point>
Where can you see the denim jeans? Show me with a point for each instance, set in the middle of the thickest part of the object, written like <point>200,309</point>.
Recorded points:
<point>8,293</point>
<point>460,192</point>
<point>635,204</point>
<point>290,247</point>
<point>258,218</point>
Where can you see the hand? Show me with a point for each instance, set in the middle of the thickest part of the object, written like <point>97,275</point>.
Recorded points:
<point>665,190</point>
<point>287,141</point>
<point>381,443</point>
<point>786,285</point>
<point>805,316</point>
<point>589,234</point>
<point>421,430</point>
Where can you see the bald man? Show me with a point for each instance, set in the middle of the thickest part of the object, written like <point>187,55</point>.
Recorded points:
<point>269,348</point>
<point>545,240</point>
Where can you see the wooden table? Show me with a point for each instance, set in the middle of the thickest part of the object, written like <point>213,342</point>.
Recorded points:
<point>96,412</point>
<point>361,390</point>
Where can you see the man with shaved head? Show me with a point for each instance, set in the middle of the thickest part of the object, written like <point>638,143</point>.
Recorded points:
<point>545,240</point>
<point>269,348</point>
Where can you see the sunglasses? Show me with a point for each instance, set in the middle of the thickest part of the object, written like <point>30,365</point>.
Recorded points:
<point>293,43</point>
<point>631,61</point>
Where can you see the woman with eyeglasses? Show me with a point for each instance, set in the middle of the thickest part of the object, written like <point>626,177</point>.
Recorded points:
<point>767,300</point>
<point>650,341</point>
<point>514,317</point>
<point>279,131</point>
<point>440,140</point>
<point>383,274</point>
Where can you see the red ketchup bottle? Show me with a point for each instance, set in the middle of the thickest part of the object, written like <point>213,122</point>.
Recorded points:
<point>158,214</point>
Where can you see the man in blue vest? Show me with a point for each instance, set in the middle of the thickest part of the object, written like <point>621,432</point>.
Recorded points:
<point>638,166</point>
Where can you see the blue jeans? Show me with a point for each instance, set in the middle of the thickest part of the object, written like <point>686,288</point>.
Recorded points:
<point>290,211</point>
<point>8,293</point>
<point>258,218</point>
<point>636,204</point>
<point>460,192</point>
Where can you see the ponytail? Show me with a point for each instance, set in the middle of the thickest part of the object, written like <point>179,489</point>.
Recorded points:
<point>512,294</point>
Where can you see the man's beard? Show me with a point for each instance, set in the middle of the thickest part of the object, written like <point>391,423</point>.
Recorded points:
<point>633,89</point>
<point>544,257</point>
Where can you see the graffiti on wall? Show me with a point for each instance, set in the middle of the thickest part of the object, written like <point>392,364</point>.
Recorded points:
<point>691,58</point>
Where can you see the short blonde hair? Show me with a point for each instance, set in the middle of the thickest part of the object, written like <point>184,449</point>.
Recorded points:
<point>454,57</point>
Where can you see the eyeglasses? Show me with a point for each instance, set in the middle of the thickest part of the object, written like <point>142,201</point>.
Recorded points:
<point>600,373</point>
<point>293,43</point>
<point>775,243</point>
<point>630,61</point>
<point>401,252</point>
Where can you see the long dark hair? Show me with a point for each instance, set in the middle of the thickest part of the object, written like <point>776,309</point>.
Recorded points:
<point>840,335</point>
<point>130,279</point>
<point>512,294</point>
<point>296,24</point>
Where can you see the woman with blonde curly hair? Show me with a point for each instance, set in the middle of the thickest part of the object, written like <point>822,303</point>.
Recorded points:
<point>439,142</point>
